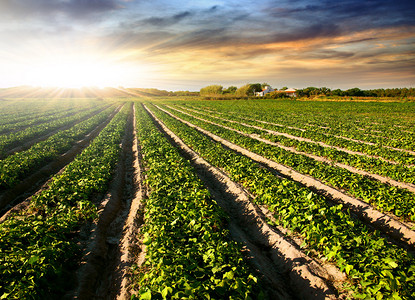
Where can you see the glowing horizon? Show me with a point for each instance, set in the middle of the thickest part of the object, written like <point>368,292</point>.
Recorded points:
<point>187,45</point>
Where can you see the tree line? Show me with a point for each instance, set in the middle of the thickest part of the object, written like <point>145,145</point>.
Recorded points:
<point>356,92</point>
<point>246,90</point>
<point>218,91</point>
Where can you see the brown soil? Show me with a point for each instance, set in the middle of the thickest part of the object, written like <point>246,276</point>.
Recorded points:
<point>19,128</point>
<point>33,141</point>
<point>311,141</point>
<point>113,244</point>
<point>380,178</point>
<point>287,272</point>
<point>393,228</point>
<point>259,121</point>
<point>10,199</point>
<point>131,248</point>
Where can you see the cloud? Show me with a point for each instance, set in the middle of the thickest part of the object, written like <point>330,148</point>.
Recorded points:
<point>77,9</point>
<point>228,39</point>
<point>353,14</point>
<point>166,21</point>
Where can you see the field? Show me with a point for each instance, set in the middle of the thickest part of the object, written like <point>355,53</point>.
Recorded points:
<point>156,198</point>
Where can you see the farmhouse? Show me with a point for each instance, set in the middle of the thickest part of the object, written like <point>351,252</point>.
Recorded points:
<point>290,92</point>
<point>264,91</point>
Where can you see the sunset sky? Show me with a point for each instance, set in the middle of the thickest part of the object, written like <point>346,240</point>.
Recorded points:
<point>185,45</point>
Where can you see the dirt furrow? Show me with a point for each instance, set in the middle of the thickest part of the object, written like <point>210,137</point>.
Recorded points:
<point>23,127</point>
<point>312,141</point>
<point>404,185</point>
<point>388,224</point>
<point>30,143</point>
<point>11,200</point>
<point>337,136</point>
<point>104,270</point>
<point>277,260</point>
<point>131,250</point>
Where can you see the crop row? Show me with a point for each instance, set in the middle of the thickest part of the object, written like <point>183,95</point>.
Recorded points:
<point>23,111</point>
<point>15,167</point>
<point>188,251</point>
<point>387,119</point>
<point>289,119</point>
<point>374,266</point>
<point>43,118</point>
<point>38,249</point>
<point>7,142</point>
<point>397,172</point>
<point>383,196</point>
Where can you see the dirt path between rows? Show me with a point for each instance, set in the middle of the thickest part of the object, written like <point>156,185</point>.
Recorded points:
<point>113,245</point>
<point>287,272</point>
<point>248,119</point>
<point>14,199</point>
<point>30,143</point>
<point>22,127</point>
<point>312,141</point>
<point>410,187</point>
<point>132,250</point>
<point>388,224</point>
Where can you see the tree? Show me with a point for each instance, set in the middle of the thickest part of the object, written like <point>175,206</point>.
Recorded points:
<point>325,91</point>
<point>354,92</point>
<point>211,90</point>
<point>253,88</point>
<point>337,92</point>
<point>276,95</point>
<point>248,89</point>
<point>243,91</point>
<point>264,85</point>
<point>230,90</point>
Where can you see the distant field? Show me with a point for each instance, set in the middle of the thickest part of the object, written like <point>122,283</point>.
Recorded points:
<point>165,198</point>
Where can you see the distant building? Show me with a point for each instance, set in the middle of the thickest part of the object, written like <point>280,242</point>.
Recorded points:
<point>264,91</point>
<point>291,92</point>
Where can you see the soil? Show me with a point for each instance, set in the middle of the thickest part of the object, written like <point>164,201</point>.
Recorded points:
<point>33,141</point>
<point>22,127</point>
<point>16,198</point>
<point>286,270</point>
<point>314,142</point>
<point>380,178</point>
<point>392,227</point>
<point>113,245</point>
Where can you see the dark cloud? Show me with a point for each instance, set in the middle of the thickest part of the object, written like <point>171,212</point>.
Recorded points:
<point>223,37</point>
<point>358,41</point>
<point>72,8</point>
<point>167,21</point>
<point>354,14</point>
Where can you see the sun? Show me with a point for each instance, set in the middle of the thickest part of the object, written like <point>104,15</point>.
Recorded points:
<point>72,71</point>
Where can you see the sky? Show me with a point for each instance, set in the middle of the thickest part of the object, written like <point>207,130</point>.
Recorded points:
<point>185,45</point>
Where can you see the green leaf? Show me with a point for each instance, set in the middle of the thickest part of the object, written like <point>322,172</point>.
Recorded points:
<point>229,275</point>
<point>33,259</point>
<point>146,296</point>
<point>391,262</point>
<point>166,291</point>
<point>348,268</point>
